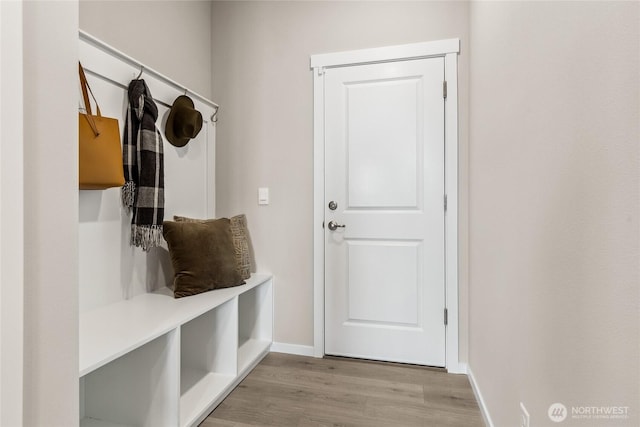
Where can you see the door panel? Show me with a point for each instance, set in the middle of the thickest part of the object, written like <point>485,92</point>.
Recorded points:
<point>384,167</point>
<point>382,175</point>
<point>383,286</point>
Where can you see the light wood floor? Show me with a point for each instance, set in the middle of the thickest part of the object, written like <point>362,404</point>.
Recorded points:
<point>286,390</point>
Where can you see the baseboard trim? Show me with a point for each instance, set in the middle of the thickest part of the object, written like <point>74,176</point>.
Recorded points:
<point>458,368</point>
<point>300,350</point>
<point>481,403</point>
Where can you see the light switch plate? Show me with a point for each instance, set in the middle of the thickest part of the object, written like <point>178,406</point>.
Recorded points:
<point>263,196</point>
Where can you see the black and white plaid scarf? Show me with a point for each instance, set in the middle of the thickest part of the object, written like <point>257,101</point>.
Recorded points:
<point>143,158</point>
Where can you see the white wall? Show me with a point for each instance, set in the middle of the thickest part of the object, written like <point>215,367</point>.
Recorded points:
<point>172,37</point>
<point>11,215</point>
<point>50,213</point>
<point>554,207</point>
<point>262,80</point>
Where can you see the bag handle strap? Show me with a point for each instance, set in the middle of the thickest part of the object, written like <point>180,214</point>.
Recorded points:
<point>87,105</point>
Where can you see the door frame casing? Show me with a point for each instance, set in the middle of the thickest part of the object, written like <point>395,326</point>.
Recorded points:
<point>449,50</point>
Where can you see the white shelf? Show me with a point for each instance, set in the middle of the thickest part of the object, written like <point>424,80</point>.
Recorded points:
<point>159,361</point>
<point>109,332</point>
<point>92,422</point>
<point>196,400</point>
<point>250,351</point>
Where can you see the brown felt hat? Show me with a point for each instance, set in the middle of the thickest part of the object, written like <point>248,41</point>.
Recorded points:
<point>184,122</point>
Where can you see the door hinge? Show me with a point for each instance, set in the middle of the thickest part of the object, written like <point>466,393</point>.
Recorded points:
<point>446,317</point>
<point>444,89</point>
<point>445,202</point>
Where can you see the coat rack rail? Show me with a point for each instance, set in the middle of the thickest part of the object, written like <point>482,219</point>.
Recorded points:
<point>120,85</point>
<point>145,71</point>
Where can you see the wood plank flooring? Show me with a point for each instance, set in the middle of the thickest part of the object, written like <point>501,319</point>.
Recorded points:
<point>287,390</point>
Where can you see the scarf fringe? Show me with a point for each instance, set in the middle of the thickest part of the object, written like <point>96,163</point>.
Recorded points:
<point>146,236</point>
<point>128,195</point>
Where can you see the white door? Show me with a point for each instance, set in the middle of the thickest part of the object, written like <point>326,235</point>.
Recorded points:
<point>384,171</point>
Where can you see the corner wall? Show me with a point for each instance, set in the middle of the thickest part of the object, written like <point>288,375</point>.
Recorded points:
<point>50,213</point>
<point>262,80</point>
<point>554,208</point>
<point>11,215</point>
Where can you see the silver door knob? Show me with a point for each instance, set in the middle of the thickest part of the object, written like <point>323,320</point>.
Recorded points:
<point>334,225</point>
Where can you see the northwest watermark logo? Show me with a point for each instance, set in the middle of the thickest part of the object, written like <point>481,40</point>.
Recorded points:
<point>558,412</point>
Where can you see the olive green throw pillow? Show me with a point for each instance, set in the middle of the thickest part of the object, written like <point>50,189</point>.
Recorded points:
<point>203,256</point>
<point>240,236</point>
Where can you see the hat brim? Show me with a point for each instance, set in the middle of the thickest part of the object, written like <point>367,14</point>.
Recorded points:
<point>181,101</point>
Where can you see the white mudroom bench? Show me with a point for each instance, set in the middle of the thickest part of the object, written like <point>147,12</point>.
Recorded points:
<point>158,361</point>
